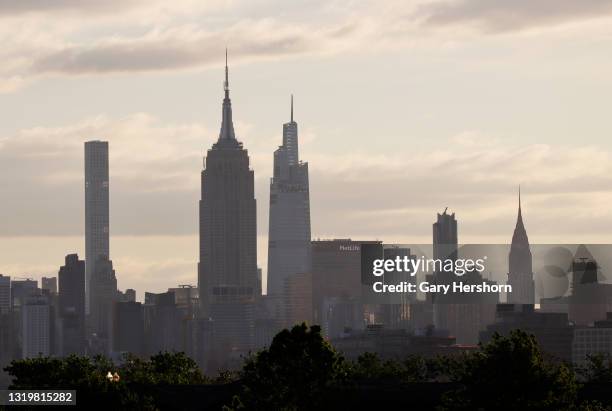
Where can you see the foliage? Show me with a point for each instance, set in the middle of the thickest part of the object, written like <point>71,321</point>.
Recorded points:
<point>598,369</point>
<point>163,368</point>
<point>301,371</point>
<point>71,371</point>
<point>292,374</point>
<point>370,367</point>
<point>509,373</point>
<point>88,377</point>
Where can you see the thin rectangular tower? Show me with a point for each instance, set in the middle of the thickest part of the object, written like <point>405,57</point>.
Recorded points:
<point>96,208</point>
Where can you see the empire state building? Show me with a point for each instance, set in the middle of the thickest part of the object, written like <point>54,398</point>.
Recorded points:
<point>227,270</point>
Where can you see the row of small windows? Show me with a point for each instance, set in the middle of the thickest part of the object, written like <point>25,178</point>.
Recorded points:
<point>232,290</point>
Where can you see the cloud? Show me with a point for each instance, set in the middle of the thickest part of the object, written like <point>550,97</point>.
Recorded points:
<point>504,16</point>
<point>66,37</point>
<point>154,176</point>
<point>152,263</point>
<point>136,36</point>
<point>179,48</point>
<point>361,194</point>
<point>17,7</point>
<point>150,47</point>
<point>155,171</point>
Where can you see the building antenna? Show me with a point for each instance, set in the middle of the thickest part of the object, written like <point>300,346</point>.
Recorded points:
<point>226,84</point>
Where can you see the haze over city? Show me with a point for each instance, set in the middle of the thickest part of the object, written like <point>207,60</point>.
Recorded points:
<point>403,110</point>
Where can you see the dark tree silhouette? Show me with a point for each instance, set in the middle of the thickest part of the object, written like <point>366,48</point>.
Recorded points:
<point>134,387</point>
<point>598,369</point>
<point>163,368</point>
<point>510,373</point>
<point>292,373</point>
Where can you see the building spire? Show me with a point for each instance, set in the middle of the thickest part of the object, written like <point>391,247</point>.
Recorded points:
<point>226,83</point>
<point>519,218</point>
<point>292,108</point>
<point>519,211</point>
<point>227,126</point>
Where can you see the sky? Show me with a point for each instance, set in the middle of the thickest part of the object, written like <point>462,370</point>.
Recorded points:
<point>404,108</point>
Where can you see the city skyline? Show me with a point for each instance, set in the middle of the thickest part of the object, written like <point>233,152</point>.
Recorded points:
<point>421,137</point>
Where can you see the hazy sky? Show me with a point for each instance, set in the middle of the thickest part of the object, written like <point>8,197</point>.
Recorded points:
<point>404,108</point>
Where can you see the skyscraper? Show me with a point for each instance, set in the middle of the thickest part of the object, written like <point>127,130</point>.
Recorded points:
<point>6,335</point>
<point>36,327</point>
<point>5,294</point>
<point>227,269</point>
<point>72,305</point>
<point>49,283</point>
<point>445,241</point>
<point>289,247</point>
<point>128,334</point>
<point>103,298</point>
<point>462,315</point>
<point>337,301</point>
<point>96,209</point>
<point>520,273</point>
<point>22,289</point>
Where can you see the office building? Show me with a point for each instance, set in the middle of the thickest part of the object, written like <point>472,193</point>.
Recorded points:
<point>590,299</point>
<point>592,341</point>
<point>396,344</point>
<point>6,334</point>
<point>128,296</point>
<point>395,313</point>
<point>165,323</point>
<point>553,331</point>
<point>5,294</point>
<point>128,334</point>
<point>49,284</point>
<point>103,298</point>
<point>227,269</point>
<point>289,247</point>
<point>72,305</point>
<point>36,327</point>
<point>186,298</point>
<point>520,272</point>
<point>445,240</point>
<point>336,277</point>
<point>462,315</point>
<point>297,296</point>
<point>22,289</point>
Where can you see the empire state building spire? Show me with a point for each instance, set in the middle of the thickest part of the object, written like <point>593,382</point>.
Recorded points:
<point>227,126</point>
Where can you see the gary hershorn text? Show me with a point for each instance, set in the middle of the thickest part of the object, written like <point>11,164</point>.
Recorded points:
<point>454,287</point>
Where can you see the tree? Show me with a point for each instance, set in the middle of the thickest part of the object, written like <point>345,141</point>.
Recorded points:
<point>292,374</point>
<point>71,371</point>
<point>135,387</point>
<point>509,373</point>
<point>163,368</point>
<point>85,375</point>
<point>369,367</point>
<point>598,369</point>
